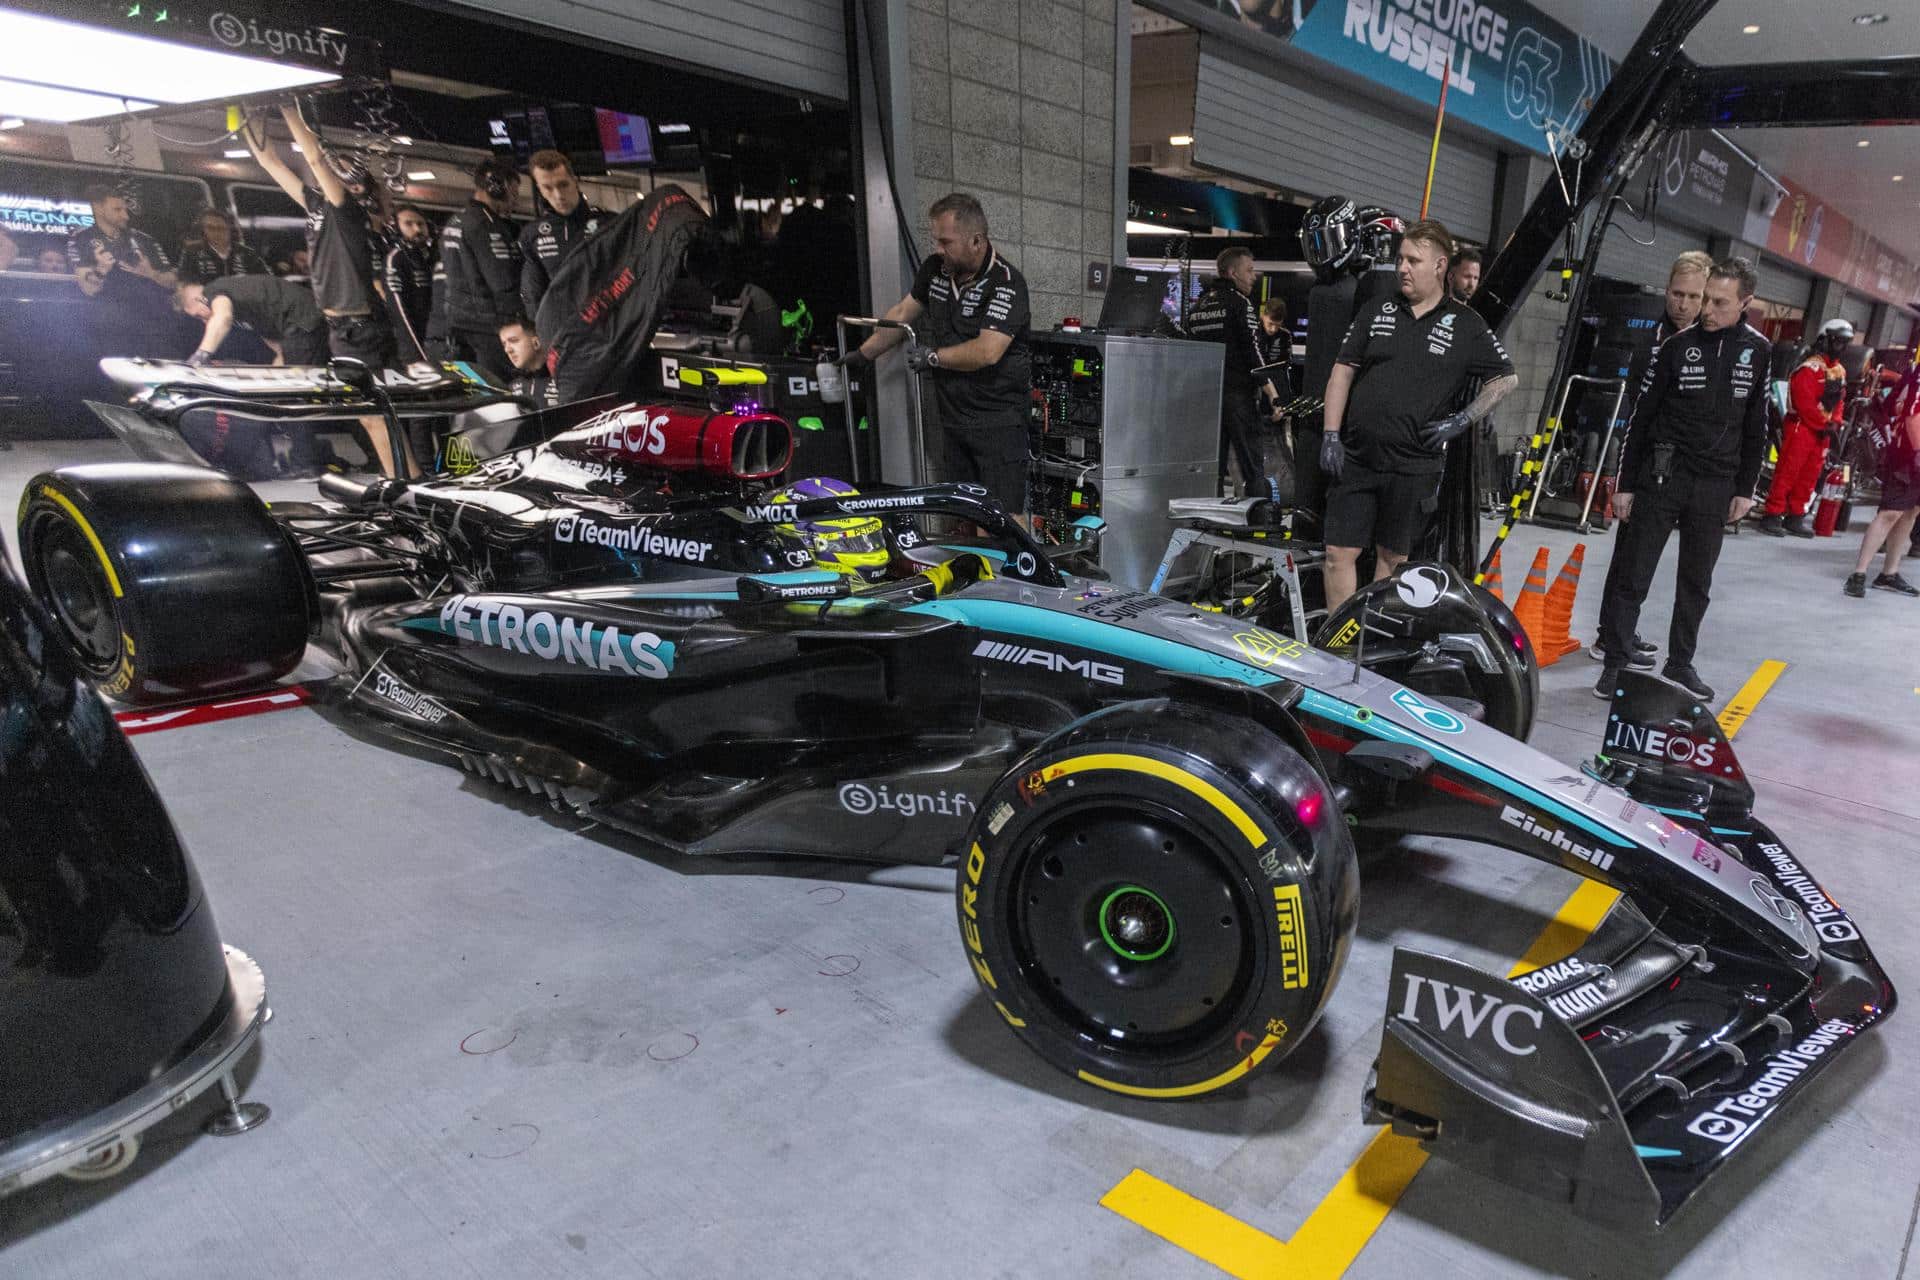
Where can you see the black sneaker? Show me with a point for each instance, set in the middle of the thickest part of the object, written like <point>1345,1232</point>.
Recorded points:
<point>1689,679</point>
<point>1856,585</point>
<point>1774,526</point>
<point>1797,527</point>
<point>1641,649</point>
<point>1894,582</point>
<point>1609,681</point>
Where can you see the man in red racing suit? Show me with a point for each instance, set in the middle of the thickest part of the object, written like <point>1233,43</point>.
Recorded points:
<point>1817,395</point>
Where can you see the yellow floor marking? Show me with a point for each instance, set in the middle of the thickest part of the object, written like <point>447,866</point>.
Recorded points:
<point>1341,1224</point>
<point>1741,705</point>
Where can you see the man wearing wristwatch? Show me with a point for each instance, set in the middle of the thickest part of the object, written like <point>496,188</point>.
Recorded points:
<point>974,306</point>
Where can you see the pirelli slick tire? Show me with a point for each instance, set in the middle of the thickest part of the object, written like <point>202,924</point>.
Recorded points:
<point>1159,899</point>
<point>165,582</point>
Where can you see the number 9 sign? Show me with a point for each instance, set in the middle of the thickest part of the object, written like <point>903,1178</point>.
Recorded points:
<point>1533,63</point>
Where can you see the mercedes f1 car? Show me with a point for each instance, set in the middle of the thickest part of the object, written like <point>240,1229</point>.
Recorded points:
<point>1152,808</point>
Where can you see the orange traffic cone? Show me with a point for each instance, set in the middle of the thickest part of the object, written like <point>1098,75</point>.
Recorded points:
<point>1558,641</point>
<point>1492,581</point>
<point>1531,608</point>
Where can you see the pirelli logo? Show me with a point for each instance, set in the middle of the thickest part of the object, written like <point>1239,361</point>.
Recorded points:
<point>1293,936</point>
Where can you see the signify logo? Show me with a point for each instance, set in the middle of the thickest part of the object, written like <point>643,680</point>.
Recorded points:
<point>864,798</point>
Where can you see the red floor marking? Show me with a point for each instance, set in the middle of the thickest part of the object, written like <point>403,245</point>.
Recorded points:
<point>132,722</point>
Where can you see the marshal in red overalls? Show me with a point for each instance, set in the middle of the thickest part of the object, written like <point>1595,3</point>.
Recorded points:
<point>1817,394</point>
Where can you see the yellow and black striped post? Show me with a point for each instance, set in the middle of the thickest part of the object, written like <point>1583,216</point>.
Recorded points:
<point>1522,491</point>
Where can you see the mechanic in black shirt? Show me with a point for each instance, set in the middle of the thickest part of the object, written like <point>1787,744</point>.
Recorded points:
<point>113,244</point>
<point>340,251</point>
<point>408,273</point>
<point>480,265</point>
<point>528,356</point>
<point>1224,313</point>
<point>284,315</point>
<point>1405,362</point>
<point>1693,452</point>
<point>219,251</point>
<point>975,305</point>
<point>546,242</point>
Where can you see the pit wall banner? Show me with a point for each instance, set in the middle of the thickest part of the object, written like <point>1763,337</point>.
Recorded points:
<point>1810,233</point>
<point>1510,69</point>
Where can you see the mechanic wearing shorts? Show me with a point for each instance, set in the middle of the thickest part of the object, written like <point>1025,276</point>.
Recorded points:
<point>1406,360</point>
<point>974,303</point>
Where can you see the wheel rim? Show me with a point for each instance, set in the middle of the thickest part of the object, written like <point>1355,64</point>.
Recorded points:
<point>79,598</point>
<point>1129,925</point>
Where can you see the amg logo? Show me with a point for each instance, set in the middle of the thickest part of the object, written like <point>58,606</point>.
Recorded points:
<point>412,701</point>
<point>1453,1003</point>
<point>1019,656</point>
<point>1292,924</point>
<point>1600,858</point>
<point>773,513</point>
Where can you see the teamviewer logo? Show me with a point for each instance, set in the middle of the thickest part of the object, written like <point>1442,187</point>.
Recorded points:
<point>1717,1126</point>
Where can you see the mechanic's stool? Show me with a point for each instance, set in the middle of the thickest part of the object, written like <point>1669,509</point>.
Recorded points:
<point>1253,527</point>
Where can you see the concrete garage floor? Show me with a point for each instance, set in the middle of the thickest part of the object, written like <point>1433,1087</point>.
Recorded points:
<point>507,1046</point>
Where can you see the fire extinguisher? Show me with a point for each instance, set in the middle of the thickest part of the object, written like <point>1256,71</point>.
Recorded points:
<point>1833,515</point>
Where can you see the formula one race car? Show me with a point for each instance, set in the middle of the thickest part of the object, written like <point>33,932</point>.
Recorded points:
<point>1152,807</point>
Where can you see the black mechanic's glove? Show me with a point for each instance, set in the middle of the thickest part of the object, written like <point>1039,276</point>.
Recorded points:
<point>1333,455</point>
<point>1437,433</point>
<point>920,359</point>
<point>854,360</point>
<point>199,359</point>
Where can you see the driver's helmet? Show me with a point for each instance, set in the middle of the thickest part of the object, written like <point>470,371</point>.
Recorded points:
<point>1327,233</point>
<point>852,545</point>
<point>1376,237</point>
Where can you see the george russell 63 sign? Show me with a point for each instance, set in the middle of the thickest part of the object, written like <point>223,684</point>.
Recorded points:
<point>1510,69</point>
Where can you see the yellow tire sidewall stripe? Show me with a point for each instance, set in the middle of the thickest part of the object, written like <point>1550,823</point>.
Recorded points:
<point>1233,813</point>
<point>66,504</point>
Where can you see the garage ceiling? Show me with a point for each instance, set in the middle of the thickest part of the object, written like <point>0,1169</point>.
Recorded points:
<point>1859,181</point>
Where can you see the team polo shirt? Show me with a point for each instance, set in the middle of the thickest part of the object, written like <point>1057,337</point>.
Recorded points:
<point>1411,370</point>
<point>995,299</point>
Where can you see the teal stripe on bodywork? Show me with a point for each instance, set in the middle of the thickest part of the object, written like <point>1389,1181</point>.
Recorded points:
<point>1009,617</point>
<point>1316,703</point>
<point>1655,1153</point>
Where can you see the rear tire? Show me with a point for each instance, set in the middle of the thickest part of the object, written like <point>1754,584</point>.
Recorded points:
<point>164,582</point>
<point>1158,899</point>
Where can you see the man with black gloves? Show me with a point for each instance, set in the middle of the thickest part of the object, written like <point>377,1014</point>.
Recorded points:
<point>408,272</point>
<point>480,261</point>
<point>282,313</point>
<point>1406,362</point>
<point>1224,313</point>
<point>1817,396</point>
<point>1693,452</point>
<point>546,242</point>
<point>976,310</point>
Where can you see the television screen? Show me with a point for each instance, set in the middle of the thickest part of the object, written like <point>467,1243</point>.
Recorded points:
<point>625,139</point>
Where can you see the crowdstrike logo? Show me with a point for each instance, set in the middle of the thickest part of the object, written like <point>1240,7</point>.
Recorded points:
<point>1019,656</point>
<point>1600,859</point>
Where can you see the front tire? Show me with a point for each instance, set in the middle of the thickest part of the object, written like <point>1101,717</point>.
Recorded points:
<point>1158,900</point>
<point>164,582</point>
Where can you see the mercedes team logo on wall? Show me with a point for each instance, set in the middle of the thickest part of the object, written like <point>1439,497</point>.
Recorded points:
<point>1673,170</point>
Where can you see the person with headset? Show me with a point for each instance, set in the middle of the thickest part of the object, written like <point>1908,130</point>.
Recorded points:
<point>477,283</point>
